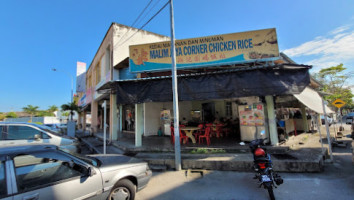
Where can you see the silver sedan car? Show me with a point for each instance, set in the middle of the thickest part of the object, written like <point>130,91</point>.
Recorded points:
<point>44,172</point>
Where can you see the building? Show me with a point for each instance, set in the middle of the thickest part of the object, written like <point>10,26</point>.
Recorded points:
<point>104,68</point>
<point>251,92</point>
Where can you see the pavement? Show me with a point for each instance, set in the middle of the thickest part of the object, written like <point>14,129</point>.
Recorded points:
<point>302,153</point>
<point>335,183</point>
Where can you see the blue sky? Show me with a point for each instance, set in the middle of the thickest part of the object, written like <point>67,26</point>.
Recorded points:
<point>37,35</point>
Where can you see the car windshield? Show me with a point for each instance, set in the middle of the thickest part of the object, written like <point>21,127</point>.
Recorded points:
<point>89,160</point>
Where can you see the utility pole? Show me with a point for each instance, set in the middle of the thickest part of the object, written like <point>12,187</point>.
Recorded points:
<point>175,93</point>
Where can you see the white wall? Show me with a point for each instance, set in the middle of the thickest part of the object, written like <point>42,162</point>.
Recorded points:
<point>153,110</point>
<point>121,49</point>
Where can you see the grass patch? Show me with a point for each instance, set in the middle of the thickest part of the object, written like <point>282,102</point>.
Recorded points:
<point>207,151</point>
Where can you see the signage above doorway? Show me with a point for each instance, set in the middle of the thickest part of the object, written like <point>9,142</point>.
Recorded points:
<point>227,49</point>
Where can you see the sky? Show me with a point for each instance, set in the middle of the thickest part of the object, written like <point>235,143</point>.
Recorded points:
<point>38,35</point>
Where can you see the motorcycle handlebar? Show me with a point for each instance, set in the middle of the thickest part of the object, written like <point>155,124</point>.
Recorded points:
<point>257,142</point>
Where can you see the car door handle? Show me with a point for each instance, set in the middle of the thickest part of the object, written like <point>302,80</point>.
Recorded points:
<point>31,197</point>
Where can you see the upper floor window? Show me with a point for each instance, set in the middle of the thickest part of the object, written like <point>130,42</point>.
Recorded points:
<point>98,73</point>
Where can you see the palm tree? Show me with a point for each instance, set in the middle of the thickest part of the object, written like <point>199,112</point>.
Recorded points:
<point>32,110</point>
<point>52,109</point>
<point>71,107</point>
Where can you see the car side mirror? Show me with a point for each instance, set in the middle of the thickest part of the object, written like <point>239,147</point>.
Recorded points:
<point>37,137</point>
<point>88,171</point>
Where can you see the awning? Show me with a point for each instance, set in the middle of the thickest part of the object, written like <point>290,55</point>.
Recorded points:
<point>271,80</point>
<point>311,99</point>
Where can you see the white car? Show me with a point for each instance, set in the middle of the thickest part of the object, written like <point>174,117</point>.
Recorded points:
<point>329,120</point>
<point>43,172</point>
<point>12,133</point>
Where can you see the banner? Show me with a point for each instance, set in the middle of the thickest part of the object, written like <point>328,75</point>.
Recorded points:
<point>251,46</point>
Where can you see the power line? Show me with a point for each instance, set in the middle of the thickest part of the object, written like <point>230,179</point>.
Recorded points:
<point>146,23</point>
<point>148,11</point>
<point>141,13</point>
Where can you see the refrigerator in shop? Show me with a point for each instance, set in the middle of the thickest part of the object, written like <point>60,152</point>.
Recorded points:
<point>165,120</point>
<point>252,121</point>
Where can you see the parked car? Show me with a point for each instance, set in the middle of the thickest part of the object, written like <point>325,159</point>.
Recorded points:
<point>349,119</point>
<point>45,172</point>
<point>28,133</point>
<point>329,120</point>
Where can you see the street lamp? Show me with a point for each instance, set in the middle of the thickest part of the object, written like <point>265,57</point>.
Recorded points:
<point>72,80</point>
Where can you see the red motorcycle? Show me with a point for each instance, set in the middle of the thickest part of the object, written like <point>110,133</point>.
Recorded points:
<point>263,167</point>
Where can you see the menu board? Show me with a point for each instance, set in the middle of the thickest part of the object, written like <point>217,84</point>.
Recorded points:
<point>165,116</point>
<point>252,115</point>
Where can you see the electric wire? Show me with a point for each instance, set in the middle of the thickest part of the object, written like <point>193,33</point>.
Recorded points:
<point>148,12</point>
<point>145,23</point>
<point>141,13</point>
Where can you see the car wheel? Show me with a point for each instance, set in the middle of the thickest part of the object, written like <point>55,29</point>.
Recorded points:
<point>123,190</point>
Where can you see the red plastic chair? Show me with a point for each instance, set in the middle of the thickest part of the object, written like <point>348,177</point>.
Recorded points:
<point>200,131</point>
<point>182,136</point>
<point>219,130</point>
<point>212,129</point>
<point>206,135</point>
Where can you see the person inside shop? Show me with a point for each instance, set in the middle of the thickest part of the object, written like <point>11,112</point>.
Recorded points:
<point>297,115</point>
<point>184,121</point>
<point>129,120</point>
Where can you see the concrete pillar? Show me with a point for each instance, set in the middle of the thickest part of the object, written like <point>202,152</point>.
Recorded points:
<point>139,124</point>
<point>79,123</point>
<point>273,133</point>
<point>304,118</point>
<point>120,120</point>
<point>94,116</point>
<point>113,128</point>
<point>83,121</point>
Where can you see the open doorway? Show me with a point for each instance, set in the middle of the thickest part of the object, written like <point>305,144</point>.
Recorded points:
<point>208,112</point>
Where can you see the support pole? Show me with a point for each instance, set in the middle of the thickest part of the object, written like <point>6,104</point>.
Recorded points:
<point>175,93</point>
<point>304,118</point>
<point>273,133</point>
<point>316,119</point>
<point>104,125</point>
<point>327,129</point>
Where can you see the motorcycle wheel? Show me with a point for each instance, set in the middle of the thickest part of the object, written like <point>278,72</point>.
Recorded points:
<point>270,192</point>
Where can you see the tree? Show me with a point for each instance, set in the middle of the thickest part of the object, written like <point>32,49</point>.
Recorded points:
<point>333,80</point>
<point>43,113</point>
<point>32,110</point>
<point>2,116</point>
<point>11,115</point>
<point>70,107</point>
<point>53,108</point>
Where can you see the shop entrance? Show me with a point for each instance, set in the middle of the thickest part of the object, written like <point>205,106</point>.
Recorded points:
<point>208,112</point>
<point>129,118</point>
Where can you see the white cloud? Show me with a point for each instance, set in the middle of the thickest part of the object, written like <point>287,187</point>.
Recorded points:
<point>325,51</point>
<point>340,29</point>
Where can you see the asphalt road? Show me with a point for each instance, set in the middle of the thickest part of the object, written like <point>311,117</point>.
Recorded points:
<point>336,182</point>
